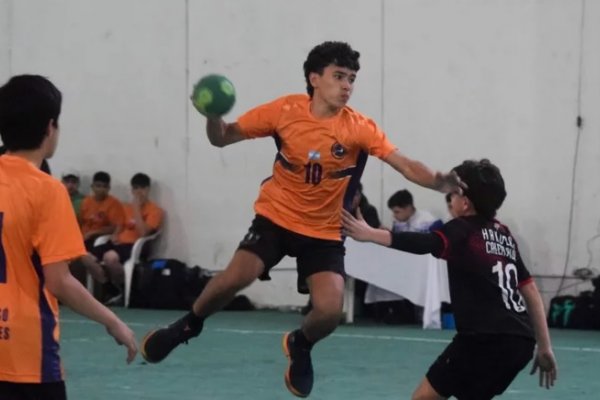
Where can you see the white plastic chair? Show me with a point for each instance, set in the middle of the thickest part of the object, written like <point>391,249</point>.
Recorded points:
<point>100,240</point>
<point>128,266</point>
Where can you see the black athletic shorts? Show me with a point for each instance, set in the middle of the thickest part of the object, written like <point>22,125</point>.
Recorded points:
<point>89,244</point>
<point>271,243</point>
<point>123,250</point>
<point>478,367</point>
<point>33,391</point>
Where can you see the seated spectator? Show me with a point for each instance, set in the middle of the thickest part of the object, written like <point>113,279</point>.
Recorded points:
<point>71,182</point>
<point>371,217</point>
<point>407,218</point>
<point>142,218</point>
<point>368,211</point>
<point>100,214</point>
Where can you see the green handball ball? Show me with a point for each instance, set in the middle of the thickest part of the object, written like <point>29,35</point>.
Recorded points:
<point>213,95</point>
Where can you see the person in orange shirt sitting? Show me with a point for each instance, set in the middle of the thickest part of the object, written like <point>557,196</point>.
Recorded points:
<point>39,235</point>
<point>100,214</point>
<point>142,217</point>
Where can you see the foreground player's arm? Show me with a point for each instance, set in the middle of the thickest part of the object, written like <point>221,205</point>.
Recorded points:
<point>417,172</point>
<point>544,358</point>
<point>221,134</point>
<point>70,292</point>
<point>412,242</point>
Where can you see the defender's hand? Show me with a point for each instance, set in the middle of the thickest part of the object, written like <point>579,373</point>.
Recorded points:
<point>544,361</point>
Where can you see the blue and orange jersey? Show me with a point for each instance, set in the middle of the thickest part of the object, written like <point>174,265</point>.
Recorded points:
<point>39,228</point>
<point>318,164</point>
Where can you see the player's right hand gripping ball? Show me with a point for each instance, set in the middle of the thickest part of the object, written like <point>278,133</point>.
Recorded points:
<point>213,95</point>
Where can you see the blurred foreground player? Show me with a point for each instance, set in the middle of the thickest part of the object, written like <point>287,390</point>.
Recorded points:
<point>39,235</point>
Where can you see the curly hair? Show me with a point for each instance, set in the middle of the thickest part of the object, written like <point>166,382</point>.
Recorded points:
<point>327,53</point>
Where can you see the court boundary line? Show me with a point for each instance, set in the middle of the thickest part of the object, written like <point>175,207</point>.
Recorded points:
<point>338,335</point>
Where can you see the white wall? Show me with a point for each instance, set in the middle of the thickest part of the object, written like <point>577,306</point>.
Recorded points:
<point>447,80</point>
<point>585,236</point>
<point>5,38</point>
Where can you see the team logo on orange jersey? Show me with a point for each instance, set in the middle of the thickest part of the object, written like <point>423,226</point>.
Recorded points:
<point>338,151</point>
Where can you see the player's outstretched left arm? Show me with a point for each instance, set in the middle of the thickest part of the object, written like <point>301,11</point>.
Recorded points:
<point>412,242</point>
<point>221,134</point>
<point>417,172</point>
<point>359,230</point>
<point>544,357</point>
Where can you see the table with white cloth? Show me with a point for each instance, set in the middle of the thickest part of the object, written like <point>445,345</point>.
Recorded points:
<point>422,279</point>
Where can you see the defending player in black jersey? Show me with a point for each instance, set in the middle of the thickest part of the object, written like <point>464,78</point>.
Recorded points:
<point>498,309</point>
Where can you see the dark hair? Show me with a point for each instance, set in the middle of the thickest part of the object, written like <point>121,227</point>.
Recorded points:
<point>140,180</point>
<point>402,198</point>
<point>101,176</point>
<point>70,178</point>
<point>485,185</point>
<point>327,53</point>
<point>27,104</point>
<point>448,197</point>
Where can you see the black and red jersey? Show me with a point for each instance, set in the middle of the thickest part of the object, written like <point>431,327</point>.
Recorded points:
<point>485,271</point>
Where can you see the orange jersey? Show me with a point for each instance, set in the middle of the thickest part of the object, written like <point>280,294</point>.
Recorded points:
<point>152,216</point>
<point>38,228</point>
<point>318,164</point>
<point>95,215</point>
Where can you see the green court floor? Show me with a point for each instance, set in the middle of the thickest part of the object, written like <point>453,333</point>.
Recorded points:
<point>238,356</point>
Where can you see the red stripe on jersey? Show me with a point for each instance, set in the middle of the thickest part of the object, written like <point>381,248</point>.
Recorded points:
<point>525,282</point>
<point>446,248</point>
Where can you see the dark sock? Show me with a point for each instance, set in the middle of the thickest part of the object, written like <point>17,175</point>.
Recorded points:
<point>301,340</point>
<point>109,290</point>
<point>195,322</point>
